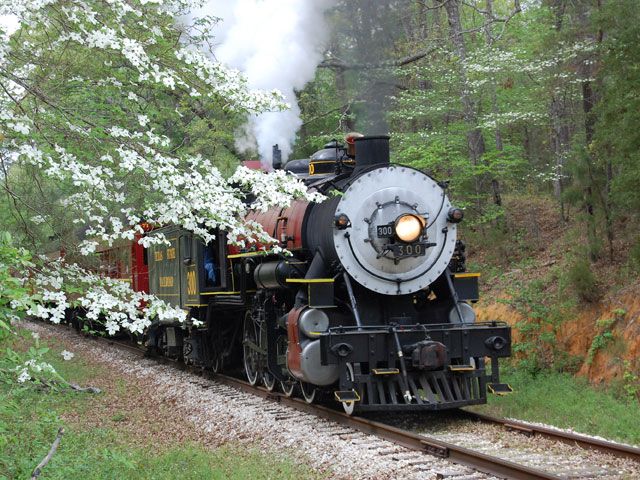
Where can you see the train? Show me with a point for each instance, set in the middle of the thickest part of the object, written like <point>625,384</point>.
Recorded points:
<point>370,307</point>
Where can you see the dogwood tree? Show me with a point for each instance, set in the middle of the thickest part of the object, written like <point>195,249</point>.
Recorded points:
<point>102,97</point>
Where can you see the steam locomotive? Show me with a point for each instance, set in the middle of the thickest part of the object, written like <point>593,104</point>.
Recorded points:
<point>371,310</point>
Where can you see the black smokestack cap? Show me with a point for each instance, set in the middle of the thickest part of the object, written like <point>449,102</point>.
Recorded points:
<point>276,158</point>
<point>372,151</point>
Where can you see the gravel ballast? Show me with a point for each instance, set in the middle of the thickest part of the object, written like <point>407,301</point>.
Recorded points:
<point>217,414</point>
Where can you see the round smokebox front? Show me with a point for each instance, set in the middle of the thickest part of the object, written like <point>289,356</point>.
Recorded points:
<point>398,239</point>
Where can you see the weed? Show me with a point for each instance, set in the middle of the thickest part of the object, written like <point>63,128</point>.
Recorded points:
<point>564,401</point>
<point>536,350</point>
<point>631,383</point>
<point>583,280</point>
<point>605,335</point>
<point>119,417</point>
<point>598,343</point>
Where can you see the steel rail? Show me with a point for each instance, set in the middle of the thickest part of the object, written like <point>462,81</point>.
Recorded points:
<point>431,446</point>
<point>571,438</point>
<point>421,443</point>
<point>413,441</point>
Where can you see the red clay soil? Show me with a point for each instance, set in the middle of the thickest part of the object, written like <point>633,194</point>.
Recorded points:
<point>548,245</point>
<point>575,336</point>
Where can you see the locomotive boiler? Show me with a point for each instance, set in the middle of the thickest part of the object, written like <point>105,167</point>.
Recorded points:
<point>372,309</point>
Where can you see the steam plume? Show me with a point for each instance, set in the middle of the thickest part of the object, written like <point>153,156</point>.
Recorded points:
<point>277,44</point>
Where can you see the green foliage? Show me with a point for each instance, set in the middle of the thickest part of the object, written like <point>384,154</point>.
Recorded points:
<point>14,263</point>
<point>599,342</point>
<point>567,402</point>
<point>605,335</point>
<point>541,316</point>
<point>617,134</point>
<point>582,279</point>
<point>29,420</point>
<point>544,306</point>
<point>631,383</point>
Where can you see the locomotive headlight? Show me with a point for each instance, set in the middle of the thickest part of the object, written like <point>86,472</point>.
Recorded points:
<point>408,227</point>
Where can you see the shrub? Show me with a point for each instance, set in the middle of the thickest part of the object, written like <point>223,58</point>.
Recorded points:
<point>583,281</point>
<point>634,256</point>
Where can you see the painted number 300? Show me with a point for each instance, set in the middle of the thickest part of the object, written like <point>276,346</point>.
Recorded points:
<point>191,282</point>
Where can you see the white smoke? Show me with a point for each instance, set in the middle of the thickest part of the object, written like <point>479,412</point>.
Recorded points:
<point>276,44</point>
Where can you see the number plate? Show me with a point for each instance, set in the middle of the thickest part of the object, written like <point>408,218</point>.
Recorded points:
<point>385,231</point>
<point>409,250</point>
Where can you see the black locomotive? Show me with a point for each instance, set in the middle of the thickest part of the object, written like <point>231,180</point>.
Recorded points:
<point>372,309</point>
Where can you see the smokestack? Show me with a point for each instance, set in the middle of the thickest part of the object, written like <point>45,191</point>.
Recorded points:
<point>276,157</point>
<point>372,151</point>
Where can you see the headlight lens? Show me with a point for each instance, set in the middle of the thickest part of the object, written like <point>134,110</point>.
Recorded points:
<point>409,227</point>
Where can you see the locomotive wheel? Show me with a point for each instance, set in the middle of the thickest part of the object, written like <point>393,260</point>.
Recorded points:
<point>269,381</point>
<point>288,387</point>
<point>308,391</point>
<point>349,407</point>
<point>251,358</point>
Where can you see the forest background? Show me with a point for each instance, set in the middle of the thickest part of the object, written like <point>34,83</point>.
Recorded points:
<point>530,109</point>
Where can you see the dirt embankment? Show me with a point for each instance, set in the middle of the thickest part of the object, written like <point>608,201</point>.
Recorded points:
<point>602,337</point>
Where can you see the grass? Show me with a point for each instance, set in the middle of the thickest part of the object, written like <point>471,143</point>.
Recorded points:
<point>567,402</point>
<point>29,420</point>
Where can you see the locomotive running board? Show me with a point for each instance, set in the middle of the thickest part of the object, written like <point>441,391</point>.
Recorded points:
<point>347,396</point>
<point>385,371</point>
<point>462,368</point>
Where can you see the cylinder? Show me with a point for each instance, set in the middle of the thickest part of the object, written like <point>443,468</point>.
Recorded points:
<point>272,275</point>
<point>372,151</point>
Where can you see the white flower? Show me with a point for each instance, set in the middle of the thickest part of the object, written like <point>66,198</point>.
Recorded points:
<point>24,376</point>
<point>143,120</point>
<point>67,355</point>
<point>35,335</point>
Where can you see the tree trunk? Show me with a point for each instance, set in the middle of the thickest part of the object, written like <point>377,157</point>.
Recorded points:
<point>592,191</point>
<point>495,184</point>
<point>475,140</point>
<point>588,100</point>
<point>560,146</point>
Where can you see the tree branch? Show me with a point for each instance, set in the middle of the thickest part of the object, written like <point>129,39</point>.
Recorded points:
<point>38,470</point>
<point>340,65</point>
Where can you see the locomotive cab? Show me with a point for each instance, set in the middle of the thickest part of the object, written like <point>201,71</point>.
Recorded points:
<point>186,270</point>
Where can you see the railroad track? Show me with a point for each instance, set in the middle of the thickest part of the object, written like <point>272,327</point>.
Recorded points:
<point>425,444</point>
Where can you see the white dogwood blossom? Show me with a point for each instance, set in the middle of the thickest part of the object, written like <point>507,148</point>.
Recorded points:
<point>139,173</point>
<point>98,300</point>
<point>67,355</point>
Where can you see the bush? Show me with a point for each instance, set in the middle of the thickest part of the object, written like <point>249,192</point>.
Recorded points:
<point>634,256</point>
<point>583,281</point>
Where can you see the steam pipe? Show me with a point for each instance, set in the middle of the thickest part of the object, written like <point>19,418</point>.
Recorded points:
<point>403,366</point>
<point>454,294</point>
<point>352,299</point>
